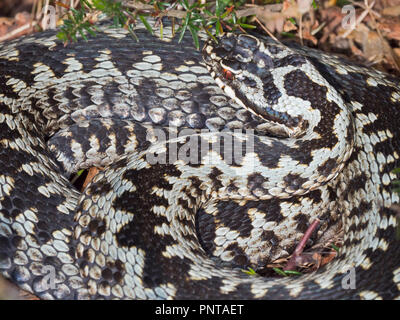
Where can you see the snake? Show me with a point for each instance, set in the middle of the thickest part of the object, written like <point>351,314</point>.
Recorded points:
<point>210,161</point>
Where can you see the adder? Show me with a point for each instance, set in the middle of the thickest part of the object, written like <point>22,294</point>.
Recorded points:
<point>213,161</point>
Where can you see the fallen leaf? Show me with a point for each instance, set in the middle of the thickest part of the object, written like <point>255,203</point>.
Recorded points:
<point>391,11</point>
<point>390,27</point>
<point>92,172</point>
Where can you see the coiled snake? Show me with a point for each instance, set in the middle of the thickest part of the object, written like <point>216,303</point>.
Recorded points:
<point>174,214</point>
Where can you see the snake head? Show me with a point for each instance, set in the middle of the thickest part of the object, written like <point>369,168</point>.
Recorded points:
<point>244,68</point>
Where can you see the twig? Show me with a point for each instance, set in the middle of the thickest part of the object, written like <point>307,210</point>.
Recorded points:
<point>182,14</point>
<point>18,30</point>
<point>266,30</point>
<point>146,7</point>
<point>300,247</point>
<point>367,10</point>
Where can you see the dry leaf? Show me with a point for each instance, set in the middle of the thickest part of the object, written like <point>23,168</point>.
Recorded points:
<point>92,172</point>
<point>289,26</point>
<point>308,26</point>
<point>392,11</point>
<point>274,20</point>
<point>308,36</point>
<point>397,52</point>
<point>15,27</point>
<point>390,27</point>
<point>304,6</point>
<point>333,17</point>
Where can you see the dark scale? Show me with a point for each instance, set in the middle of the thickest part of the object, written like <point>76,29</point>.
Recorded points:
<point>154,226</point>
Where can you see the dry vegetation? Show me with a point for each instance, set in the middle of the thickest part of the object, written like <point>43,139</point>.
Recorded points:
<point>374,40</point>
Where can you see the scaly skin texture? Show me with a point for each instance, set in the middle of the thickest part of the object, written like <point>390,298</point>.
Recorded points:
<point>324,139</point>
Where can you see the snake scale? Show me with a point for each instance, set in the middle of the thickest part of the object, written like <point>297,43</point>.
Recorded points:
<point>174,215</point>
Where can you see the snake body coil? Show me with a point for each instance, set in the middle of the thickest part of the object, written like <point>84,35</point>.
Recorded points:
<point>206,170</point>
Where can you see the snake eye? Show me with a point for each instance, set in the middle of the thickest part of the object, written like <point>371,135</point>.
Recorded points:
<point>227,74</point>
